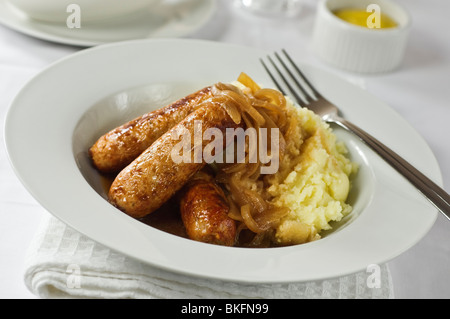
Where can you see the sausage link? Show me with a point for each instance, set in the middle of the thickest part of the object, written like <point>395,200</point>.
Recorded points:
<point>204,211</point>
<point>116,149</point>
<point>152,178</point>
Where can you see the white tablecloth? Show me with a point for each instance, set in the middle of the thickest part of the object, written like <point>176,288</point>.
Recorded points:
<point>419,91</point>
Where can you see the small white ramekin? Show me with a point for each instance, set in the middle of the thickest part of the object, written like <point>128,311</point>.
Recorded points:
<point>359,49</point>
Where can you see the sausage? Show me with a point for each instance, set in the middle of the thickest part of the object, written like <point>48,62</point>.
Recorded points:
<point>154,177</point>
<point>116,149</point>
<point>204,211</point>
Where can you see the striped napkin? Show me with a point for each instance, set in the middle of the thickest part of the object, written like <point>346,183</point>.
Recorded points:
<point>62,263</point>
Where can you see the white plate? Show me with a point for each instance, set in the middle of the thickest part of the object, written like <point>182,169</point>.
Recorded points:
<point>60,113</point>
<point>165,20</point>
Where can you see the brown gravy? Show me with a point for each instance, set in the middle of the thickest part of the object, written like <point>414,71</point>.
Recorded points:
<point>168,219</point>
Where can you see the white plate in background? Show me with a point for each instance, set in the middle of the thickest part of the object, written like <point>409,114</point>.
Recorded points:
<point>169,19</point>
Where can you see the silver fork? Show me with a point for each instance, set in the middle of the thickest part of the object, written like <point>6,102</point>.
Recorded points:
<point>292,77</point>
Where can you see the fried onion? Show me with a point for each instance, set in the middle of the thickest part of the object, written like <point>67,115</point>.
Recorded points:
<point>257,108</point>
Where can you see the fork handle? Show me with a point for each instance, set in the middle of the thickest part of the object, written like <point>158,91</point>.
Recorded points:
<point>435,194</point>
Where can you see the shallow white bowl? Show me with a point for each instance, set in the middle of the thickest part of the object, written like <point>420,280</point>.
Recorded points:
<point>91,10</point>
<point>59,114</point>
<point>359,49</point>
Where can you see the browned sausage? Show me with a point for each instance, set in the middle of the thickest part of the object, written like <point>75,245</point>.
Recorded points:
<point>204,211</point>
<point>152,178</point>
<point>116,149</point>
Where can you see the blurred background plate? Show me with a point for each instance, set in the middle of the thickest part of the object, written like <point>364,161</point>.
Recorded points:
<point>168,19</point>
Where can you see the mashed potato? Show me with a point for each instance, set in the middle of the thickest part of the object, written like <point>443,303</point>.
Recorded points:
<point>313,180</point>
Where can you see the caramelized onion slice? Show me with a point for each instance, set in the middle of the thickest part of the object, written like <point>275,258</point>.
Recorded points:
<point>257,108</point>
<point>248,82</point>
<point>233,112</point>
<point>249,221</point>
<point>272,96</point>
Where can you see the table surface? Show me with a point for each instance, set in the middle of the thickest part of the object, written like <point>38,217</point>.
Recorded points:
<point>419,92</point>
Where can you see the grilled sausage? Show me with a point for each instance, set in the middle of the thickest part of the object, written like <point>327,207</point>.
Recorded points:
<point>116,149</point>
<point>154,177</point>
<point>204,211</point>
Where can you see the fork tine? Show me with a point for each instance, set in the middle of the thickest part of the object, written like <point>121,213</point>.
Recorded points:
<point>283,78</point>
<point>312,88</point>
<point>274,80</point>
<point>305,93</point>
